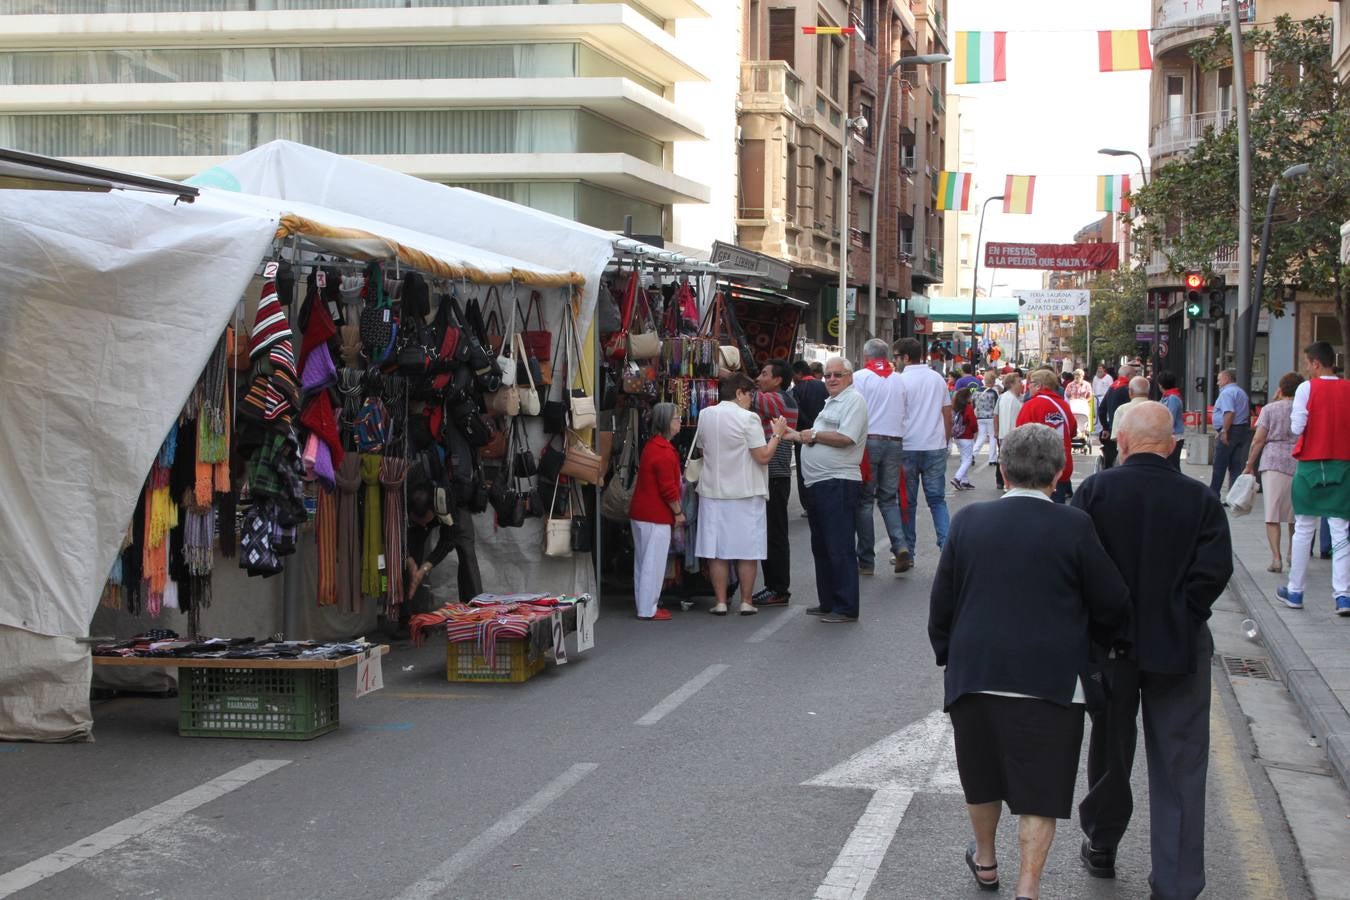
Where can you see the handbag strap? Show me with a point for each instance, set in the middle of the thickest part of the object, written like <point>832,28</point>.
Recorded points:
<point>535,306</point>
<point>629,449</point>
<point>519,343</point>
<point>698,429</point>
<point>571,325</point>
<point>553,504</point>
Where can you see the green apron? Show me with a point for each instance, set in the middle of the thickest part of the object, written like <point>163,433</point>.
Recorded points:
<point>1322,488</point>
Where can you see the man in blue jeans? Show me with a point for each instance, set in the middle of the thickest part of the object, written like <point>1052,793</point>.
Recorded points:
<point>926,435</point>
<point>1233,422</point>
<point>879,384</point>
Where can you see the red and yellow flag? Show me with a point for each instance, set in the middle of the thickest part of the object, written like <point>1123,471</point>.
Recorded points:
<point>829,29</point>
<point>1123,51</point>
<point>1017,193</point>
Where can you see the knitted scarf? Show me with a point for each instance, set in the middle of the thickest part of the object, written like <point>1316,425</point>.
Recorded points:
<point>372,537</point>
<point>161,516</point>
<point>326,541</point>
<point>348,547</point>
<point>393,471</point>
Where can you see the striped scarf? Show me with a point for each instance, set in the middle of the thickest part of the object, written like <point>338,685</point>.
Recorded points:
<point>372,538</point>
<point>348,548</point>
<point>326,541</point>
<point>393,472</point>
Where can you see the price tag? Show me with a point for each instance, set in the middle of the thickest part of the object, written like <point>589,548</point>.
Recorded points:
<point>386,315</point>
<point>369,673</point>
<point>588,610</point>
<point>270,269</point>
<point>321,278</point>
<point>559,639</point>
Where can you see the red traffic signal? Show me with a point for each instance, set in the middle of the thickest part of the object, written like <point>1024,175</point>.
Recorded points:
<point>1194,281</point>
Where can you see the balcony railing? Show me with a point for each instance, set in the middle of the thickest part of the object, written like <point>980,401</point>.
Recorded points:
<point>1221,261</point>
<point>907,249</point>
<point>771,76</point>
<point>1182,133</point>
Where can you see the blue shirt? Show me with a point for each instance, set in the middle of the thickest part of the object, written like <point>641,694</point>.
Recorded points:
<point>1232,399</point>
<point>1173,404</point>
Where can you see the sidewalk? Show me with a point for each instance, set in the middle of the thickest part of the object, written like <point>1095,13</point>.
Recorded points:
<point>1310,648</point>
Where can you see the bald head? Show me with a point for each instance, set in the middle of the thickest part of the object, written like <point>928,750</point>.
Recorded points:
<point>1128,371</point>
<point>1139,386</point>
<point>1147,429</point>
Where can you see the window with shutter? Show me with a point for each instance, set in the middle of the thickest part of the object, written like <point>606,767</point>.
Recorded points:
<point>783,35</point>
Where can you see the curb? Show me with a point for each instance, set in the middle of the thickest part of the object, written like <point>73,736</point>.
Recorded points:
<point>1319,706</point>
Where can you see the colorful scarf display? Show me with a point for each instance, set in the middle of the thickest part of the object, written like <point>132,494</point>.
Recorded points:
<point>372,532</point>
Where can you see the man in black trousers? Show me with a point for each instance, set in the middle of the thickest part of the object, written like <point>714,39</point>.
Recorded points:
<point>1168,536</point>
<point>810,393</point>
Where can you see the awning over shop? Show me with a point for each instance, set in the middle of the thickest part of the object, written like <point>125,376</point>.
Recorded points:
<point>957,309</point>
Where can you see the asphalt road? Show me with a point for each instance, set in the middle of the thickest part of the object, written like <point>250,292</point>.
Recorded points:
<point>669,762</point>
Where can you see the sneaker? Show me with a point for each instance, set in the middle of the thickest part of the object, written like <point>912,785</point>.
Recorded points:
<point>719,610</point>
<point>904,561</point>
<point>761,595</point>
<point>817,611</point>
<point>661,615</point>
<point>1291,599</point>
<point>1343,605</point>
<point>956,484</point>
<point>1099,863</point>
<point>747,609</point>
<point>773,598</point>
<point>835,619</point>
<point>966,485</point>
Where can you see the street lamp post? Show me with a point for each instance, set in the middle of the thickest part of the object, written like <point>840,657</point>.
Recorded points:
<point>1153,300</point>
<point>975,276</point>
<point>851,124</point>
<point>923,59</point>
<point>1247,321</point>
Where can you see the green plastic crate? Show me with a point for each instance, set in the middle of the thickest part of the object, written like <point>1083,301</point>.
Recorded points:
<point>277,704</point>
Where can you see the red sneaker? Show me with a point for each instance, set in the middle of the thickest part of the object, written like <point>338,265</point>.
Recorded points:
<point>661,615</point>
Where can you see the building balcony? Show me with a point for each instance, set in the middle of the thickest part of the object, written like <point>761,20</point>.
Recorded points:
<point>770,86</point>
<point>1159,268</point>
<point>906,250</point>
<point>1184,132</point>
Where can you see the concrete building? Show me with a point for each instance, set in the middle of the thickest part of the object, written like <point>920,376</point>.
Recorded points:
<point>1184,103</point>
<point>564,106</point>
<point>797,90</point>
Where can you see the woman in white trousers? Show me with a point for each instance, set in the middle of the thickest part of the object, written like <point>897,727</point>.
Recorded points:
<point>655,510</point>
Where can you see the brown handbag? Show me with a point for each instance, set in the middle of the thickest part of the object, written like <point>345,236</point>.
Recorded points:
<point>582,463</point>
<point>495,448</point>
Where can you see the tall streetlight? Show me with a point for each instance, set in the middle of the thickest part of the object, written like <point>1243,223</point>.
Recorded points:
<point>1247,321</point>
<point>923,59</point>
<point>975,276</point>
<point>1154,301</point>
<point>852,125</point>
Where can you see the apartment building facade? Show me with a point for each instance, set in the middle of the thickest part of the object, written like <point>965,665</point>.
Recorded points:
<point>1184,103</point>
<point>797,92</point>
<point>563,106</point>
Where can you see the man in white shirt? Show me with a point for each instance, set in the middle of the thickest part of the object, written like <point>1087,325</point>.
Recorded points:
<point>927,435</point>
<point>1005,415</point>
<point>831,467</point>
<point>1139,387</point>
<point>1101,383</point>
<point>879,385</point>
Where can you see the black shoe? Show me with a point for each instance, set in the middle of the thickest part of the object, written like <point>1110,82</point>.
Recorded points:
<point>817,611</point>
<point>773,598</point>
<point>835,618</point>
<point>1099,863</point>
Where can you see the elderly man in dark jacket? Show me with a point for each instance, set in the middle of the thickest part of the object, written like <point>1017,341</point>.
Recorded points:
<point>1169,538</point>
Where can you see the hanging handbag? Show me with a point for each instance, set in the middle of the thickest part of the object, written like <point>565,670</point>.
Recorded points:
<point>580,403</point>
<point>495,447</point>
<point>693,468</point>
<point>523,457</point>
<point>583,532</point>
<point>618,494</point>
<point>538,340</point>
<point>551,462</point>
<point>557,531</point>
<point>505,348</point>
<point>582,463</point>
<point>645,344</point>
<point>505,401</point>
<point>508,500</point>
<point>529,394</point>
<point>616,344</point>
<point>377,316</point>
<point>496,336</point>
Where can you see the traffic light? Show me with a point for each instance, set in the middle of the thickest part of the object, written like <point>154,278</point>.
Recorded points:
<point>1215,289</point>
<point>1196,303</point>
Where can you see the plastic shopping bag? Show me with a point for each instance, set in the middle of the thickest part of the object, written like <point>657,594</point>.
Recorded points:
<point>1241,495</point>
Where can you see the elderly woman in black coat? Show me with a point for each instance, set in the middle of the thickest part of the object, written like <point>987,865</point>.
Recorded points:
<point>1022,588</point>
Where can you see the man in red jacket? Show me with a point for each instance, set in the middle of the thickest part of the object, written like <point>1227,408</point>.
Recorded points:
<point>1047,407</point>
<point>1321,489</point>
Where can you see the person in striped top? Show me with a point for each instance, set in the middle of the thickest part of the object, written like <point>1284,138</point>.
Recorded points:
<point>773,399</point>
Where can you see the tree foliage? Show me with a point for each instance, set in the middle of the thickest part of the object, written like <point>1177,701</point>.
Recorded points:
<point>1117,306</point>
<point>1299,114</point>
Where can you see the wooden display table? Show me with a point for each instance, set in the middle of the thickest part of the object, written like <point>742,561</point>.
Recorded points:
<point>276,699</point>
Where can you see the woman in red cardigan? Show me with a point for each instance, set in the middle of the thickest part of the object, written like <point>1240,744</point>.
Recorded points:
<point>655,507</point>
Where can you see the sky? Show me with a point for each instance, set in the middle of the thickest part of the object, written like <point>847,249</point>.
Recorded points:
<point>1051,115</point>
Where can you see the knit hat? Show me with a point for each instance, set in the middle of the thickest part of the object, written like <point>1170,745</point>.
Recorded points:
<point>321,420</point>
<point>319,373</point>
<point>269,325</point>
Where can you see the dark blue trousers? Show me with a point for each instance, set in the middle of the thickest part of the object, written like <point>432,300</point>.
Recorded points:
<point>832,517</point>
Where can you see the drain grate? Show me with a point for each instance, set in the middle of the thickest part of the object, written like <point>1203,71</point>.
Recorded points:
<point>1247,667</point>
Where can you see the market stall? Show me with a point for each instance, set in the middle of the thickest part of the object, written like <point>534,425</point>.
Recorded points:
<point>128,350</point>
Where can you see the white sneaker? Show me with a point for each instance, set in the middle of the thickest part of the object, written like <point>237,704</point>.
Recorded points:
<point>719,610</point>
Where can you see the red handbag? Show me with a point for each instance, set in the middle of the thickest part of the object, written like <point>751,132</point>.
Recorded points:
<point>538,341</point>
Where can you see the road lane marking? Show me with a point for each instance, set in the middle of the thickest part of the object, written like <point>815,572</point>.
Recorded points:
<point>859,860</point>
<point>768,629</point>
<point>433,695</point>
<point>681,694</point>
<point>1254,852</point>
<point>440,878</point>
<point>119,833</point>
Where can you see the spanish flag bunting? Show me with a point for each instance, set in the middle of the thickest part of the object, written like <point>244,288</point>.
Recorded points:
<point>1113,193</point>
<point>829,29</point>
<point>981,56</point>
<point>953,191</point>
<point>1017,193</point>
<point>1123,51</point>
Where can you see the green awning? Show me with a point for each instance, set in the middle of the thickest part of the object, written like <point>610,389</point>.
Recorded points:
<point>957,309</point>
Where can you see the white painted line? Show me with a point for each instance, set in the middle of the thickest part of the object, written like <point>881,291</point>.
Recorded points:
<point>29,874</point>
<point>851,876</point>
<point>683,693</point>
<point>440,878</point>
<point>768,629</point>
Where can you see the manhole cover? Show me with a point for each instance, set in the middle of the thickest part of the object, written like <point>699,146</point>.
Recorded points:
<point>1246,667</point>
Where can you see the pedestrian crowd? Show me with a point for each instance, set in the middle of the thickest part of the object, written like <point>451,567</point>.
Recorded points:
<point>1049,605</point>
